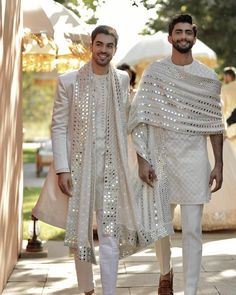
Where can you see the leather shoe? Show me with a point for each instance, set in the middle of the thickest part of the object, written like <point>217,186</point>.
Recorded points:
<point>166,284</point>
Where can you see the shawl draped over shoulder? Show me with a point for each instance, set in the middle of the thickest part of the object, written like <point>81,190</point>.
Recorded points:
<point>135,225</point>
<point>170,98</point>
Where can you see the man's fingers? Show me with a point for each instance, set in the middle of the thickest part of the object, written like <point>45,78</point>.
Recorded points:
<point>210,181</point>
<point>144,178</point>
<point>65,183</point>
<point>146,172</point>
<point>152,175</point>
<point>218,184</point>
<point>65,189</point>
<point>215,180</point>
<point>148,178</point>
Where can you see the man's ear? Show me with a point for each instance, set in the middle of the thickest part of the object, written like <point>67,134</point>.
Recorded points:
<point>115,51</point>
<point>170,39</point>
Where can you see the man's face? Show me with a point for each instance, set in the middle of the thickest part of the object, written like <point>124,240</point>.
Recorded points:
<point>103,49</point>
<point>227,78</point>
<point>182,37</point>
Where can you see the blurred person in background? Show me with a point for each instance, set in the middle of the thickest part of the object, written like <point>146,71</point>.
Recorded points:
<point>132,76</point>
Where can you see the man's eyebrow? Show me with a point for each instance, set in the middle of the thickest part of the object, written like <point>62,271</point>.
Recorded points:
<point>181,30</point>
<point>100,42</point>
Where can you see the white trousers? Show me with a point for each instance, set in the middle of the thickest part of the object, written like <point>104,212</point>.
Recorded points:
<point>108,258</point>
<point>191,216</point>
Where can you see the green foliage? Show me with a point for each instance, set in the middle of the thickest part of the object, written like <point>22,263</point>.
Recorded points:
<point>37,99</point>
<point>47,232</point>
<point>37,107</point>
<point>79,6</point>
<point>29,155</point>
<point>215,20</point>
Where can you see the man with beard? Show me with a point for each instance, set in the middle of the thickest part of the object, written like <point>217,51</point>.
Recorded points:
<point>89,138</point>
<point>83,130</point>
<point>176,107</point>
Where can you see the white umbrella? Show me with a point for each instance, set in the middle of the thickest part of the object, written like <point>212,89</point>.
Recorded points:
<point>153,47</point>
<point>52,34</point>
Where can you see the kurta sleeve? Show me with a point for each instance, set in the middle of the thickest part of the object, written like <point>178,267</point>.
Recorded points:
<point>59,129</point>
<point>140,139</point>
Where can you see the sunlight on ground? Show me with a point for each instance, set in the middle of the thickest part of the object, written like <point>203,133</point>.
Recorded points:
<point>229,273</point>
<point>219,247</point>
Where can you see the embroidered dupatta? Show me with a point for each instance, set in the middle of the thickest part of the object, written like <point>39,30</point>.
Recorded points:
<point>121,213</point>
<point>170,98</point>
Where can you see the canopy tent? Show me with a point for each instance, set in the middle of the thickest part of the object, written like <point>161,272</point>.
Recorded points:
<point>54,37</point>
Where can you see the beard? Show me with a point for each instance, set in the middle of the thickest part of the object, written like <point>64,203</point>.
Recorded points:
<point>102,62</point>
<point>184,49</point>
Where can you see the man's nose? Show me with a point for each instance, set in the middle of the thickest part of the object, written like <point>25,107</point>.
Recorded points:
<point>183,35</point>
<point>104,48</point>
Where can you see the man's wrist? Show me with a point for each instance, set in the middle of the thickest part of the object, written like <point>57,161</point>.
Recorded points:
<point>59,173</point>
<point>141,159</point>
<point>62,170</point>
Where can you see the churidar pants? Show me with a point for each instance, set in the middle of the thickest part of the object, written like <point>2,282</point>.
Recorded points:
<point>191,216</point>
<point>109,259</point>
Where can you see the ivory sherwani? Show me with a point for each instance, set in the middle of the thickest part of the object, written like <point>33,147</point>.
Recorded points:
<point>93,147</point>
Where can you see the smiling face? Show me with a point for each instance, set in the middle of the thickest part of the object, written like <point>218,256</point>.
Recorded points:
<point>182,37</point>
<point>103,49</point>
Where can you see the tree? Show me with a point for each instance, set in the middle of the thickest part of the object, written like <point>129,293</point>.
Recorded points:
<point>83,8</point>
<point>215,20</point>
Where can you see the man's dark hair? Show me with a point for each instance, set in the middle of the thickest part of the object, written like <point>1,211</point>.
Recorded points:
<point>107,30</point>
<point>231,71</point>
<point>182,18</point>
<point>126,67</point>
<point>232,118</point>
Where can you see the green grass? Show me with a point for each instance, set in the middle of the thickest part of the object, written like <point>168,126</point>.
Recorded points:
<point>37,130</point>
<point>47,232</point>
<point>29,155</point>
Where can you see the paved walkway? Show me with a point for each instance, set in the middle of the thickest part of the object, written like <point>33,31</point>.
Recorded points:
<point>138,274</point>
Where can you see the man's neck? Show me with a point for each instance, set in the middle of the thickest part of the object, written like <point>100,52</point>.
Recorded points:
<point>100,70</point>
<point>181,59</point>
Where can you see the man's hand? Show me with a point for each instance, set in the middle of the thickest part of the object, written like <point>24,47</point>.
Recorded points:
<point>217,177</point>
<point>216,174</point>
<point>146,172</point>
<point>65,183</point>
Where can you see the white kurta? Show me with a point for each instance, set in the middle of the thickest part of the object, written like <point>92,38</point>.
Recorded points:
<point>188,167</point>
<point>187,157</point>
<point>101,95</point>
